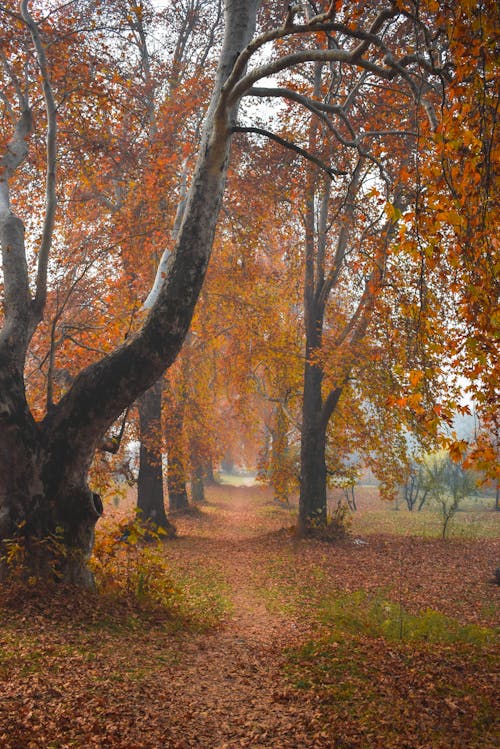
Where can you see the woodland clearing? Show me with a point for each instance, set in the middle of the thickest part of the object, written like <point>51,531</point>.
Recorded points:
<point>382,639</point>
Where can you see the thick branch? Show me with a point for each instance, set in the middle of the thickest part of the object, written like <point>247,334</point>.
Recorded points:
<point>101,392</point>
<point>343,239</point>
<point>51,155</point>
<point>17,297</point>
<point>15,153</point>
<point>321,22</point>
<point>357,325</point>
<point>303,56</point>
<point>330,404</point>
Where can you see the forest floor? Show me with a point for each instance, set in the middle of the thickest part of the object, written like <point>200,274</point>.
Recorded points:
<point>377,640</point>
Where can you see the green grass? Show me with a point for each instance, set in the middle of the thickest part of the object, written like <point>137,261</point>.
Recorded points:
<point>427,524</point>
<point>203,598</point>
<point>361,614</point>
<point>232,479</point>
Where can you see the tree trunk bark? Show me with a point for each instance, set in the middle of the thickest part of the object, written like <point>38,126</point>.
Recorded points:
<point>208,473</point>
<point>197,472</point>
<point>197,486</point>
<point>150,496</point>
<point>312,497</point>
<point>176,470</point>
<point>176,479</point>
<point>47,512</point>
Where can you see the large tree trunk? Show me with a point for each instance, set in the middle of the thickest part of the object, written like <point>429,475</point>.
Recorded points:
<point>313,497</point>
<point>150,496</point>
<point>45,502</point>
<point>47,511</point>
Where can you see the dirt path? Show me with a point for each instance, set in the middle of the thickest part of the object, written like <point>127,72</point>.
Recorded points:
<point>236,696</point>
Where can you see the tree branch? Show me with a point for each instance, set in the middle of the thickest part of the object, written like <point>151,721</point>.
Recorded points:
<point>316,107</point>
<point>330,403</point>
<point>291,146</point>
<point>303,56</point>
<point>343,239</point>
<point>51,156</point>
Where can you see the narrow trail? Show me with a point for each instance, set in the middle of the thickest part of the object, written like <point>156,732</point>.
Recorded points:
<point>237,696</point>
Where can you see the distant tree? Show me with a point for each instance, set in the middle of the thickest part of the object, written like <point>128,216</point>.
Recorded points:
<point>448,483</point>
<point>415,489</point>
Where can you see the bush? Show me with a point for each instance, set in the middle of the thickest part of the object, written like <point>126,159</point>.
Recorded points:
<point>129,560</point>
<point>129,563</point>
<point>337,526</point>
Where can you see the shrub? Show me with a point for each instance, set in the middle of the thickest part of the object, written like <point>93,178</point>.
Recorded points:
<point>129,560</point>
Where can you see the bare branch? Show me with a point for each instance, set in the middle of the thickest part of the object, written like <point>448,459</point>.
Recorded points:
<point>316,107</point>
<point>303,56</point>
<point>291,146</point>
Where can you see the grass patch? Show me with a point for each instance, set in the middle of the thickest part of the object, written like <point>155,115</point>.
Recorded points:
<point>427,524</point>
<point>367,615</point>
<point>131,567</point>
<point>234,479</point>
<point>385,678</point>
<point>203,597</point>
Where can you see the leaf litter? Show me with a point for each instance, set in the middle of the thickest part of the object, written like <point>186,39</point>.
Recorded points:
<point>90,672</point>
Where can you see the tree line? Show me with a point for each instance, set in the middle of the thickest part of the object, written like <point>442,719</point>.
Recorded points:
<point>335,158</point>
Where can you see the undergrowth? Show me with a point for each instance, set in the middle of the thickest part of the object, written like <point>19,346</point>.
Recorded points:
<point>129,563</point>
<point>359,613</point>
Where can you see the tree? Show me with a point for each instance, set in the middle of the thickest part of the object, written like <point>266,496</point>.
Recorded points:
<point>397,288</point>
<point>415,489</point>
<point>448,484</point>
<point>150,499</point>
<point>191,51</point>
<point>44,465</point>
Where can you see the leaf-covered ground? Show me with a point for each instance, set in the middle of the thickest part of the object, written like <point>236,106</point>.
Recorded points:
<point>278,643</point>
